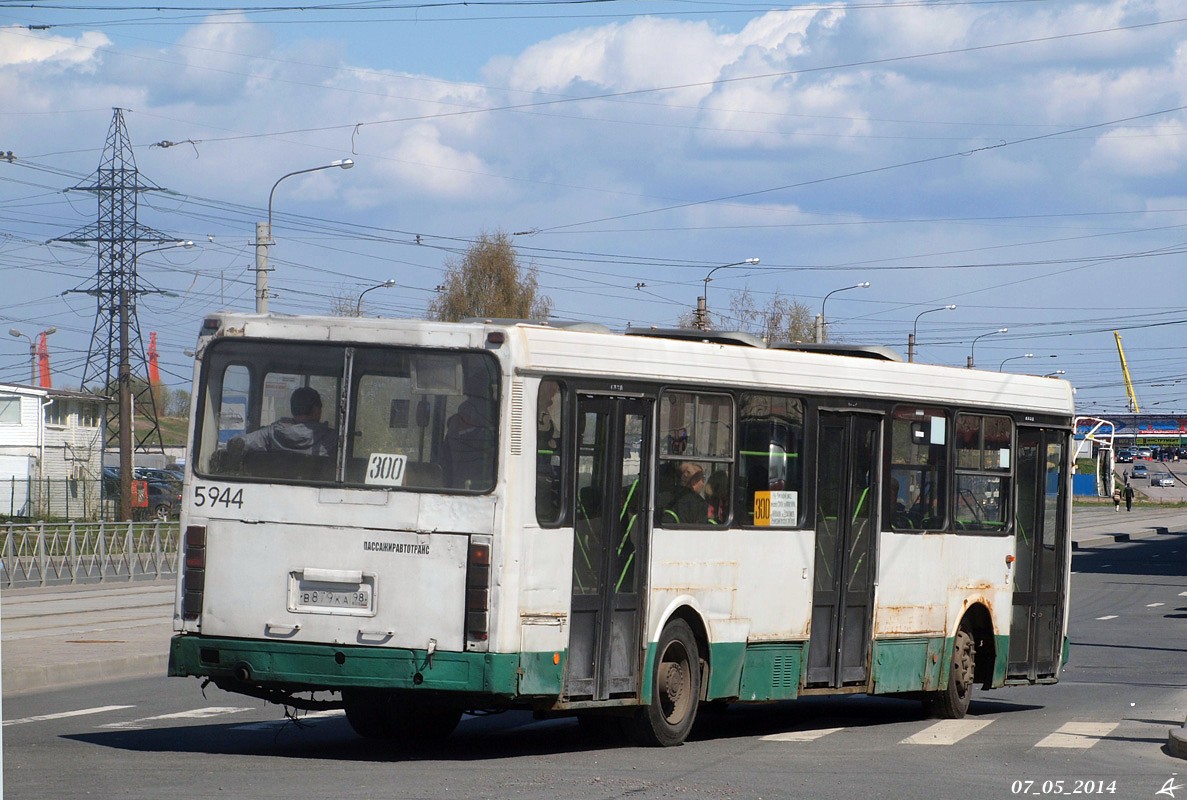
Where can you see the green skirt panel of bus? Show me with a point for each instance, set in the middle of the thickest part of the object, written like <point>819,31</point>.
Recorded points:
<point>323,666</point>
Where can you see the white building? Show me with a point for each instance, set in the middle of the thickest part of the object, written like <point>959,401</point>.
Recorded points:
<point>51,452</point>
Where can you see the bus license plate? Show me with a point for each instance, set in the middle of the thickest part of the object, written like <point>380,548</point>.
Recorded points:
<point>327,598</point>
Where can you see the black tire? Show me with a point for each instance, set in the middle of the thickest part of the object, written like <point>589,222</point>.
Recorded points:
<point>675,690</point>
<point>387,715</point>
<point>161,513</point>
<point>953,701</point>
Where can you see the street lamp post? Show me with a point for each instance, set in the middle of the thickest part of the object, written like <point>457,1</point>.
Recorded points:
<point>358,306</point>
<point>1013,358</point>
<point>702,313</point>
<point>264,233</point>
<point>973,346</point>
<point>1056,372</point>
<point>915,329</point>
<point>32,349</point>
<point>820,323</point>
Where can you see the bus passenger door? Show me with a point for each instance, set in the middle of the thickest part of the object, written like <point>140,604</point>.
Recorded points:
<point>611,528</point>
<point>1036,626</point>
<point>846,518</point>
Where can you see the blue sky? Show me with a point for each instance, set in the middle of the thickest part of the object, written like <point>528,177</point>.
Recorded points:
<point>1022,160</point>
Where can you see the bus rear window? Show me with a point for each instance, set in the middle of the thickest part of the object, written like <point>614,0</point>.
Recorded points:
<point>413,419</point>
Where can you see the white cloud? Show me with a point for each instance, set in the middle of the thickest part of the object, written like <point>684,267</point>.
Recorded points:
<point>1143,151</point>
<point>454,171</point>
<point>19,46</point>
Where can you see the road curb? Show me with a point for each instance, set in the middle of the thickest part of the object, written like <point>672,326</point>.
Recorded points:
<point>1176,741</point>
<point>21,680</point>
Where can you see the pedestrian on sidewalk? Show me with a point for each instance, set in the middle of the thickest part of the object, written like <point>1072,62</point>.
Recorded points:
<point>1116,499</point>
<point>1128,497</point>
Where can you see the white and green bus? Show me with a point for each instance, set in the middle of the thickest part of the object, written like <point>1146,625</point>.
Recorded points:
<point>559,518</point>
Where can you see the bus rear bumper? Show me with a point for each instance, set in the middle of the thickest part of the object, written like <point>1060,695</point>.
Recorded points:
<point>296,666</point>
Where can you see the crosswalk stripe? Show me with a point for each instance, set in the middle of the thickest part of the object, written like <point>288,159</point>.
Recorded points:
<point>64,714</point>
<point>800,736</point>
<point>1078,735</point>
<point>197,713</point>
<point>948,731</point>
<point>312,717</point>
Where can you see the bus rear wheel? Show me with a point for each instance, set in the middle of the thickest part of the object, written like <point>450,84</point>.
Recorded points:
<point>675,689</point>
<point>953,701</point>
<point>388,715</point>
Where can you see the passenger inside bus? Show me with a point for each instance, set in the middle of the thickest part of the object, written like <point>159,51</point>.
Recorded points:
<point>690,506</point>
<point>717,493</point>
<point>468,456</point>
<point>303,432</point>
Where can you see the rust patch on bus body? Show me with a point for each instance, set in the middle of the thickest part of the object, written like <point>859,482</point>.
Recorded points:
<point>910,620</point>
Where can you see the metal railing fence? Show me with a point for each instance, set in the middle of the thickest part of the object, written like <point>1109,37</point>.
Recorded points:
<point>39,554</point>
<point>43,498</point>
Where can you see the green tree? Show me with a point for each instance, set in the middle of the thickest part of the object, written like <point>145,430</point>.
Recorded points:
<point>488,281</point>
<point>179,403</point>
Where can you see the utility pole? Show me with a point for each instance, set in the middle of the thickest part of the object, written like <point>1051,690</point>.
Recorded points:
<point>125,412</point>
<point>263,239</point>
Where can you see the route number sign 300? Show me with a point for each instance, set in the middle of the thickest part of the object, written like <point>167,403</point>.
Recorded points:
<point>386,469</point>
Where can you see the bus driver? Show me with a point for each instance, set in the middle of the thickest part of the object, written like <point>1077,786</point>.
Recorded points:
<point>303,432</point>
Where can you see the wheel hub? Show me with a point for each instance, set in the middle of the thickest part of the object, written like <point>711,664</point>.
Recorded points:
<point>672,682</point>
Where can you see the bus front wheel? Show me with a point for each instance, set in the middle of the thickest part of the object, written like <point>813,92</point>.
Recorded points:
<point>387,715</point>
<point>675,689</point>
<point>953,701</point>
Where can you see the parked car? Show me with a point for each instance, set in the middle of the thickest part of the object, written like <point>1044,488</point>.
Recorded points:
<point>164,496</point>
<point>1124,455</point>
<point>154,474</point>
<point>1162,479</point>
<point>1140,471</point>
<point>164,500</point>
<point>1143,452</point>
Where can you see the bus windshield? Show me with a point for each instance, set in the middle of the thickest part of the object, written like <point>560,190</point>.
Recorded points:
<point>371,417</point>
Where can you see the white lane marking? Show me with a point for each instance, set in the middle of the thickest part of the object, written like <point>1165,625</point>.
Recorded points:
<point>799,736</point>
<point>64,714</point>
<point>1154,605</point>
<point>1182,594</point>
<point>1111,616</point>
<point>1078,735</point>
<point>197,713</point>
<point>948,731</point>
<point>312,718</point>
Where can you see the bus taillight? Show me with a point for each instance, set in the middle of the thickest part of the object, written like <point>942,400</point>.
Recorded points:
<point>194,578</point>
<point>478,594</point>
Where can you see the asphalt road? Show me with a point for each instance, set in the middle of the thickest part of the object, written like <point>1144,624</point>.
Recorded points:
<point>1102,730</point>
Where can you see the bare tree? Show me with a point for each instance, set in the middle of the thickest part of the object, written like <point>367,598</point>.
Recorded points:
<point>488,281</point>
<point>784,320</point>
<point>781,320</point>
<point>345,303</point>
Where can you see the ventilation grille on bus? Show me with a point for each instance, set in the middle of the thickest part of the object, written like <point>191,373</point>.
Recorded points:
<point>516,416</point>
<point>785,671</point>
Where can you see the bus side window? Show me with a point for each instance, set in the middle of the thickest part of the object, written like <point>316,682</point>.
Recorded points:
<point>549,424</point>
<point>770,468</point>
<point>696,444</point>
<point>916,496</point>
